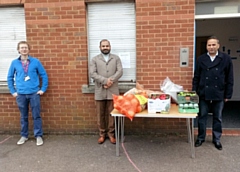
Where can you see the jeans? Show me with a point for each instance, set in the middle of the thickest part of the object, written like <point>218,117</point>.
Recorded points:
<point>216,108</point>
<point>23,101</point>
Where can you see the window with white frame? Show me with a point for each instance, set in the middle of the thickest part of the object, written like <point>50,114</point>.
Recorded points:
<point>12,30</point>
<point>115,22</point>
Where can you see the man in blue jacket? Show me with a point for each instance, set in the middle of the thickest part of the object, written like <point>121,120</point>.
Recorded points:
<point>24,85</point>
<point>213,82</point>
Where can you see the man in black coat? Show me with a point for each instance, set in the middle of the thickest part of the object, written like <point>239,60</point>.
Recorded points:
<point>213,82</point>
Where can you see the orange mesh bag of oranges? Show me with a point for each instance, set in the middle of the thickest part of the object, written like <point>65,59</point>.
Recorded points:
<point>127,105</point>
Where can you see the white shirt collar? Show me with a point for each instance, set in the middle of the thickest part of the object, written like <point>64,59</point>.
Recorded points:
<point>212,58</point>
<point>106,56</point>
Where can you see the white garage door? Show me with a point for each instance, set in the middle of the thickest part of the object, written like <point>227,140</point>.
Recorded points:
<point>115,22</point>
<point>12,30</point>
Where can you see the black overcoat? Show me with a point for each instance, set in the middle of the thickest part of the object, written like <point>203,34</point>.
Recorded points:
<point>213,80</point>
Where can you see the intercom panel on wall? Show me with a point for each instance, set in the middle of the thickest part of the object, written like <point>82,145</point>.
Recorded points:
<point>184,57</point>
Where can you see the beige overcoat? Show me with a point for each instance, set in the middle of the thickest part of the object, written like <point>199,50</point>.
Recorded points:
<point>100,71</point>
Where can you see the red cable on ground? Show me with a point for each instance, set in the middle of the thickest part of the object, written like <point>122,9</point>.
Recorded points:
<point>5,140</point>
<point>130,158</point>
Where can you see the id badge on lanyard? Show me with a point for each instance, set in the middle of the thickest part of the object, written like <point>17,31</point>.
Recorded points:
<point>25,68</point>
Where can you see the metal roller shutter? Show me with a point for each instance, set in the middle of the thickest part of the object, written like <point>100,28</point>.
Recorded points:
<point>115,22</point>
<point>12,30</point>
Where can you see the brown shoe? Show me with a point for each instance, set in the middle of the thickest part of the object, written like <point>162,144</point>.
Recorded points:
<point>112,140</point>
<point>101,140</point>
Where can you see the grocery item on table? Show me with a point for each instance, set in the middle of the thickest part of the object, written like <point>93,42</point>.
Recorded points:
<point>188,102</point>
<point>159,103</point>
<point>168,87</point>
<point>127,105</point>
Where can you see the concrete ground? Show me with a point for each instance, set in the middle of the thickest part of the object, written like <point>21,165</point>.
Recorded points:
<point>82,153</point>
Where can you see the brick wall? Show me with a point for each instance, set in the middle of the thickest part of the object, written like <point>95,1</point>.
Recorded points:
<point>58,35</point>
<point>163,27</point>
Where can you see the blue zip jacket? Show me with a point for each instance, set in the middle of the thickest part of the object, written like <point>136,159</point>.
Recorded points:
<point>35,69</point>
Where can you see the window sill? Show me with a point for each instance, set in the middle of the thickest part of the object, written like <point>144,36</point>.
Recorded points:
<point>4,89</point>
<point>86,89</point>
<point>123,88</point>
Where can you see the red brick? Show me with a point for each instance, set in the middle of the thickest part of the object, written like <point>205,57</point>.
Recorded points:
<point>58,34</point>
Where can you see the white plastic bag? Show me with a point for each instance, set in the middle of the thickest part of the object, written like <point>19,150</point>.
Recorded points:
<point>168,87</point>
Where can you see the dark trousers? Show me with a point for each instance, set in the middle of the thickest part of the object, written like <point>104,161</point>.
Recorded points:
<point>216,108</point>
<point>104,119</point>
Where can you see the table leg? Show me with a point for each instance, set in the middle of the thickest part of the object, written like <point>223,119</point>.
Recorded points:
<point>188,128</point>
<point>191,136</point>
<point>193,148</point>
<point>117,130</point>
<point>122,129</point>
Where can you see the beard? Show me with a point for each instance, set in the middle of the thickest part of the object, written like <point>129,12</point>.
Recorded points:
<point>105,51</point>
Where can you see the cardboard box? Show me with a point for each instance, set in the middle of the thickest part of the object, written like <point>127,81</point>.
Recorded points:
<point>159,103</point>
<point>187,97</point>
<point>188,108</point>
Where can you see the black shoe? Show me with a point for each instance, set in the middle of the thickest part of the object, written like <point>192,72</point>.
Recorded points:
<point>218,145</point>
<point>198,143</point>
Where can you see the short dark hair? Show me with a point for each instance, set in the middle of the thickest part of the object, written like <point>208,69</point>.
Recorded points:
<point>104,40</point>
<point>213,37</point>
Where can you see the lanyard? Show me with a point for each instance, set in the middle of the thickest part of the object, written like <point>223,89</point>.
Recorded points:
<point>25,67</point>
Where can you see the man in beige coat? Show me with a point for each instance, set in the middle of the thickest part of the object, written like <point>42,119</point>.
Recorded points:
<point>105,70</point>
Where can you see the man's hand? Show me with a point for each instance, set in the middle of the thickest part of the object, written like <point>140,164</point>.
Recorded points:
<point>109,83</point>
<point>14,94</point>
<point>40,92</point>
